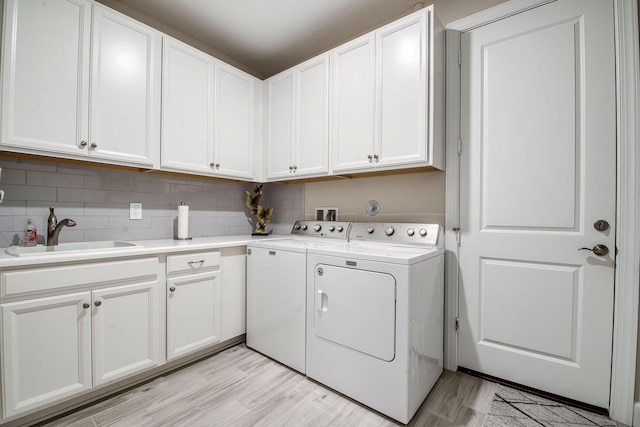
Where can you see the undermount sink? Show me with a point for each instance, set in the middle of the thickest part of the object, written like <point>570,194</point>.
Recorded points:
<point>41,250</point>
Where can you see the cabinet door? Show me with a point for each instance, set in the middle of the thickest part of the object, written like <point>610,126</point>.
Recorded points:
<point>126,330</point>
<point>46,75</point>
<point>402,91</point>
<point>233,293</point>
<point>311,142</point>
<point>46,351</point>
<point>353,108</point>
<point>280,126</point>
<point>187,108</point>
<point>193,313</point>
<point>124,117</point>
<point>233,146</point>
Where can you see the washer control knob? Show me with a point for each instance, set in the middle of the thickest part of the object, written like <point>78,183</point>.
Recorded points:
<point>317,228</point>
<point>332,228</point>
<point>423,232</point>
<point>340,229</point>
<point>297,226</point>
<point>370,230</point>
<point>410,232</point>
<point>304,226</point>
<point>389,231</point>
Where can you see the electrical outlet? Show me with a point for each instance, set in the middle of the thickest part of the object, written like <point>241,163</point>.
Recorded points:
<point>135,210</point>
<point>327,214</point>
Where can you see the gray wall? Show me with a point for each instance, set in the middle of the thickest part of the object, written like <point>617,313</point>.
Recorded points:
<point>98,198</point>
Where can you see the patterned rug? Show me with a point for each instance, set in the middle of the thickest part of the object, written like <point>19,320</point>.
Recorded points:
<point>513,408</point>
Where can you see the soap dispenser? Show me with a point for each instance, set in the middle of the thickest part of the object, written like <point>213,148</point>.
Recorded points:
<point>32,234</point>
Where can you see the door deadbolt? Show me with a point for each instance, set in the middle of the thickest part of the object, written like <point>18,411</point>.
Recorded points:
<point>599,250</point>
<point>601,225</point>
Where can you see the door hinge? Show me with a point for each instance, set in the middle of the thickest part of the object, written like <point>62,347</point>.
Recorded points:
<point>459,147</point>
<point>457,324</point>
<point>459,58</point>
<point>457,231</point>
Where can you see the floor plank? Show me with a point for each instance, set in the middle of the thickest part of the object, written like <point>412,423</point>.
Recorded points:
<point>240,387</point>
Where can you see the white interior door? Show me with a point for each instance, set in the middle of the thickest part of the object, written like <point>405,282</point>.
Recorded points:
<point>537,171</point>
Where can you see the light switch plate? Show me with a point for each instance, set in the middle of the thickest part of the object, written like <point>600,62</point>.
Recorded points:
<point>135,210</point>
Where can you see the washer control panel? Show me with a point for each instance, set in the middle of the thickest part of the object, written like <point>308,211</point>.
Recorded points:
<point>397,233</point>
<point>330,229</point>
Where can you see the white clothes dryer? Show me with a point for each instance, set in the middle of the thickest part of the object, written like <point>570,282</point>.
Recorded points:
<point>276,289</point>
<point>375,310</point>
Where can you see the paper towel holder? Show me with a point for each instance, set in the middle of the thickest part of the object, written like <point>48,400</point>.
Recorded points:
<point>176,225</point>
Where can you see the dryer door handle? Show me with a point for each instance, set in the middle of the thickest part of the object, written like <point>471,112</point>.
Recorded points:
<point>322,301</point>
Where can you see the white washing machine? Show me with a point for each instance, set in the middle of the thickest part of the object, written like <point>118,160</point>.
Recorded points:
<point>375,315</point>
<point>276,289</point>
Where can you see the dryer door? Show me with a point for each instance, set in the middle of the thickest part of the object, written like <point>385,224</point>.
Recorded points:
<point>356,309</point>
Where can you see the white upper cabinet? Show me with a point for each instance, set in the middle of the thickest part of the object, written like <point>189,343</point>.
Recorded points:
<point>297,123</point>
<point>49,60</point>
<point>353,104</point>
<point>125,89</point>
<point>207,114</point>
<point>46,50</point>
<point>280,126</point>
<point>234,122</point>
<point>187,108</point>
<point>386,111</point>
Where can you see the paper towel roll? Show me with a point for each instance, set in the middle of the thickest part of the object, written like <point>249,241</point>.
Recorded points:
<point>183,221</point>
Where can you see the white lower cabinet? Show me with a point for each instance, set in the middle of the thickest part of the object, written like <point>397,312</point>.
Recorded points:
<point>233,292</point>
<point>70,328</point>
<point>126,330</point>
<point>46,350</point>
<point>58,346</point>
<point>193,302</point>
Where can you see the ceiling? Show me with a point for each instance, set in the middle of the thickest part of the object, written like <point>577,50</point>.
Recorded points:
<point>269,36</point>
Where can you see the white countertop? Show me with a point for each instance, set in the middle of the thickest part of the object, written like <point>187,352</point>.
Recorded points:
<point>144,247</point>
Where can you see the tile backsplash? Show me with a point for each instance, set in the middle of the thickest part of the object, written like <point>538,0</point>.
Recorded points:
<point>98,198</point>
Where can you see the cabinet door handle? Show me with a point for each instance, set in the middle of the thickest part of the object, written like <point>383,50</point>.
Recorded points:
<point>172,289</point>
<point>97,303</point>
<point>196,262</point>
<point>83,144</point>
<point>376,157</point>
<point>370,157</point>
<point>86,305</point>
<point>94,145</point>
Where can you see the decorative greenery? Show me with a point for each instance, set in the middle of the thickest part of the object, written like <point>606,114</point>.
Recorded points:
<point>262,215</point>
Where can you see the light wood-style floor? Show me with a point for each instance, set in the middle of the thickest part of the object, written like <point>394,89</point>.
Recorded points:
<point>240,387</point>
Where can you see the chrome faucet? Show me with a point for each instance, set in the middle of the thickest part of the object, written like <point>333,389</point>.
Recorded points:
<point>54,227</point>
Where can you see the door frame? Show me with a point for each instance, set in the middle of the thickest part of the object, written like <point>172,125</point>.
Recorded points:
<point>627,275</point>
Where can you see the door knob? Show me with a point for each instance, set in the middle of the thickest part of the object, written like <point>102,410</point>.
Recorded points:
<point>599,250</point>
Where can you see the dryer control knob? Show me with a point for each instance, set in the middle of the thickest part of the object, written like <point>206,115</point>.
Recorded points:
<point>332,228</point>
<point>340,229</point>
<point>423,232</point>
<point>317,227</point>
<point>411,232</point>
<point>370,230</point>
<point>304,227</point>
<point>297,226</point>
<point>389,231</point>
